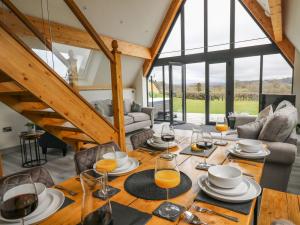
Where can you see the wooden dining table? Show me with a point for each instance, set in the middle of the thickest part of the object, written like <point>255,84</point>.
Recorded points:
<point>71,214</point>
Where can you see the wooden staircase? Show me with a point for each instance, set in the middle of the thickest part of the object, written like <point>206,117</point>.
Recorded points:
<point>32,88</point>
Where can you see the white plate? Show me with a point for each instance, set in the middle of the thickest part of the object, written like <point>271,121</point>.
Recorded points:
<point>241,189</point>
<point>53,201</point>
<point>246,155</point>
<point>160,145</point>
<point>253,192</point>
<point>131,165</point>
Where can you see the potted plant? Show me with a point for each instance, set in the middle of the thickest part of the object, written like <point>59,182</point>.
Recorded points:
<point>30,127</point>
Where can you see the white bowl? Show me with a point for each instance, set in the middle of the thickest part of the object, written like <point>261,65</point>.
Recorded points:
<point>121,157</point>
<point>157,139</point>
<point>41,191</point>
<point>225,176</point>
<point>250,145</point>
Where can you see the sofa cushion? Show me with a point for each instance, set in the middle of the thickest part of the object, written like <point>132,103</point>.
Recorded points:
<point>104,107</point>
<point>280,125</point>
<point>135,107</point>
<point>283,104</point>
<point>139,116</point>
<point>127,106</point>
<point>250,130</point>
<point>127,120</point>
<point>282,153</point>
<point>268,111</point>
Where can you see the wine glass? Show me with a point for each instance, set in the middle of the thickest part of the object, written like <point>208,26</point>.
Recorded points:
<point>167,134</point>
<point>167,175</point>
<point>222,127</point>
<point>105,163</point>
<point>195,138</point>
<point>18,197</point>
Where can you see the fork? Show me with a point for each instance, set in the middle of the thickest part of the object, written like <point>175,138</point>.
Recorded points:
<point>205,210</point>
<point>70,192</point>
<point>192,218</point>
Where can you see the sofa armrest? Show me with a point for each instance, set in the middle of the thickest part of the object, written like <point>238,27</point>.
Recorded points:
<point>282,153</point>
<point>150,112</point>
<point>292,139</point>
<point>241,120</point>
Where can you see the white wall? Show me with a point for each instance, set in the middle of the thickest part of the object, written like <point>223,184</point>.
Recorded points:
<point>93,95</point>
<point>296,87</point>
<point>9,117</point>
<point>141,89</point>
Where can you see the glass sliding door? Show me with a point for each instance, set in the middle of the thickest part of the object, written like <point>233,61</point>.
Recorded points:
<point>216,93</point>
<point>177,93</point>
<point>195,93</point>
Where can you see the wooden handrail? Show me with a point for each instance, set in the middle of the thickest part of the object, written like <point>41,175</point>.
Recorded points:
<point>90,29</point>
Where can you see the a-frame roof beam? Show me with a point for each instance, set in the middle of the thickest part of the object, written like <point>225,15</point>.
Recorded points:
<point>276,18</point>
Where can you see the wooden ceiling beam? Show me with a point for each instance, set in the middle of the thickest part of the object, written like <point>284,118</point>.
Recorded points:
<point>286,47</point>
<point>276,18</point>
<point>90,29</point>
<point>162,33</point>
<point>69,35</point>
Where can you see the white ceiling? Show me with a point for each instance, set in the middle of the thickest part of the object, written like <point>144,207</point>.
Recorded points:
<point>135,21</point>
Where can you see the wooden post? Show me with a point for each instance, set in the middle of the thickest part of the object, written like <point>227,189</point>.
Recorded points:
<point>117,94</point>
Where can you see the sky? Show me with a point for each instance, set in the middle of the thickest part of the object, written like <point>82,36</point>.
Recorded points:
<point>275,66</point>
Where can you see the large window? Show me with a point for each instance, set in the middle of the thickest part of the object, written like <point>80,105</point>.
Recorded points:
<point>229,62</point>
<point>218,24</point>
<point>277,75</point>
<point>194,26</point>
<point>246,84</point>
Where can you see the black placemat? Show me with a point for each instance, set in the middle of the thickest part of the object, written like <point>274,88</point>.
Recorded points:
<point>243,208</point>
<point>151,148</point>
<point>141,185</point>
<point>67,202</point>
<point>113,191</point>
<point>173,219</point>
<point>124,215</point>
<point>205,153</point>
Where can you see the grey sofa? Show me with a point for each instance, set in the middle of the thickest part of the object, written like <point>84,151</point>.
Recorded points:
<point>279,163</point>
<point>133,120</point>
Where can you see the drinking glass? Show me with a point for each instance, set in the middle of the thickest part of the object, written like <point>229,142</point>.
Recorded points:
<point>195,137</point>
<point>105,163</point>
<point>18,197</point>
<point>167,134</point>
<point>167,175</point>
<point>92,182</point>
<point>222,127</point>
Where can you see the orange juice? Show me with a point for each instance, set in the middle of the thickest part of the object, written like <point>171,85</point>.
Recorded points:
<point>221,127</point>
<point>167,178</point>
<point>106,165</point>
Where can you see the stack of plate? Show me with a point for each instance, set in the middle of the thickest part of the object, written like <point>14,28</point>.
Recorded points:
<point>125,164</point>
<point>226,183</point>
<point>49,201</point>
<point>251,149</point>
<point>159,144</point>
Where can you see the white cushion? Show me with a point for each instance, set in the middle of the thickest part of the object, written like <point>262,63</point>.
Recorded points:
<point>139,116</point>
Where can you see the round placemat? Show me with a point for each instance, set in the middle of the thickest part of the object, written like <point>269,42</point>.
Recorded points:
<point>141,185</point>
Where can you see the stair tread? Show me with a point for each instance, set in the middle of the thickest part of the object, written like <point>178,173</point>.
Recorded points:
<point>79,137</point>
<point>11,87</point>
<point>44,112</point>
<point>66,126</point>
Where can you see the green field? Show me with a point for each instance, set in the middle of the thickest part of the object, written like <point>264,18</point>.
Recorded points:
<point>216,106</point>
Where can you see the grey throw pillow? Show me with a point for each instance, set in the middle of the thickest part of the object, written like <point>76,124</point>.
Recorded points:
<point>280,125</point>
<point>266,112</point>
<point>136,107</point>
<point>250,130</point>
<point>283,104</point>
<point>99,109</point>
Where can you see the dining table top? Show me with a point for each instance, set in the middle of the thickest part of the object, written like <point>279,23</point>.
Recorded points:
<point>71,213</point>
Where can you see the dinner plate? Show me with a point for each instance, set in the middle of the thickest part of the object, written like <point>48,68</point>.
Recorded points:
<point>258,155</point>
<point>161,146</point>
<point>53,201</point>
<point>253,191</point>
<point>131,165</point>
<point>241,189</point>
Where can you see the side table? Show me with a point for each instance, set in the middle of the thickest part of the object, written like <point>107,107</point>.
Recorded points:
<point>30,149</point>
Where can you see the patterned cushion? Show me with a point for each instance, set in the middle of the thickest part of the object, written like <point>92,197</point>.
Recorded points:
<point>250,130</point>
<point>38,175</point>
<point>283,104</point>
<point>280,125</point>
<point>268,111</point>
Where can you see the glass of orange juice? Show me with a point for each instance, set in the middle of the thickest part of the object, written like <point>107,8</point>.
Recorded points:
<point>106,163</point>
<point>167,175</point>
<point>222,127</point>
